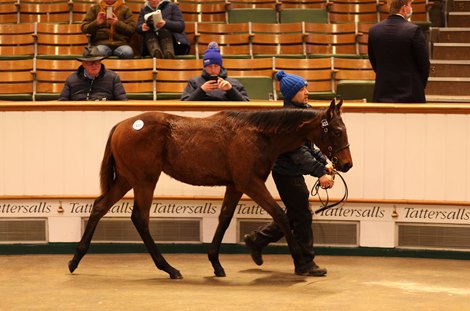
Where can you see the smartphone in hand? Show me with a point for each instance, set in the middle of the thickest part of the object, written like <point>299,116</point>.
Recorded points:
<point>109,12</point>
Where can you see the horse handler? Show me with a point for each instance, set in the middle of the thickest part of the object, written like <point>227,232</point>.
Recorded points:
<point>288,172</point>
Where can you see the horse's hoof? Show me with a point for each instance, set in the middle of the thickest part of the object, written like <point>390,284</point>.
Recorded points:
<point>176,275</point>
<point>219,273</point>
<point>72,266</point>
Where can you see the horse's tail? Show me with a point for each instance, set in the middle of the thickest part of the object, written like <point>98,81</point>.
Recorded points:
<point>107,173</point>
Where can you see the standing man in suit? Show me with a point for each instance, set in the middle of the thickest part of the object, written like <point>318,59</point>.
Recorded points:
<point>399,56</point>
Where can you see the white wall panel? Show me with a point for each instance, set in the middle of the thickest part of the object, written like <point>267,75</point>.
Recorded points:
<point>54,159</point>
<point>415,161</point>
<point>434,155</point>
<point>374,155</point>
<point>396,156</point>
<point>355,178</point>
<point>2,152</point>
<point>14,156</point>
<point>455,184</point>
<point>464,170</point>
<point>32,178</point>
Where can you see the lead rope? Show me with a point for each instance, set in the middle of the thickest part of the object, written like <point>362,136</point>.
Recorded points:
<point>325,204</point>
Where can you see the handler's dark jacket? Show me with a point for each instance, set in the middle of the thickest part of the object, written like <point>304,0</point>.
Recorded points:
<point>306,160</point>
<point>193,90</point>
<point>106,86</point>
<point>174,23</point>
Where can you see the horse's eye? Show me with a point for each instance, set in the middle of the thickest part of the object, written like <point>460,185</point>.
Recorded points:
<point>337,133</point>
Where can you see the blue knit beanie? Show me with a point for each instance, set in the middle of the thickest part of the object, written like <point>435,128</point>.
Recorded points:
<point>212,55</point>
<point>290,84</point>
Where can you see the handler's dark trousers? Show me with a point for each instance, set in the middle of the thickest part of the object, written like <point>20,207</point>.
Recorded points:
<point>294,193</point>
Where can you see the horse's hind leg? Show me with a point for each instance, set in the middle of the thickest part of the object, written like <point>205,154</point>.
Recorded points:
<point>231,199</point>
<point>140,218</point>
<point>100,207</point>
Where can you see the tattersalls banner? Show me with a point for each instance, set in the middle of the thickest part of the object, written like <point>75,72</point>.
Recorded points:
<point>14,208</point>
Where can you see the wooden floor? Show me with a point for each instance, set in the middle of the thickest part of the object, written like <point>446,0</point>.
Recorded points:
<point>131,282</point>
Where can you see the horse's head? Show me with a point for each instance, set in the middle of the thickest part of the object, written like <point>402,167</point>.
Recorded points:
<point>333,140</point>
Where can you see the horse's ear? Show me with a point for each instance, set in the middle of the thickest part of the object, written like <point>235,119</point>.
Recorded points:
<point>331,110</point>
<point>338,107</point>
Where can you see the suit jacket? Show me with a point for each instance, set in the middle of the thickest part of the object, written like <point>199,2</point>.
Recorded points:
<point>400,58</point>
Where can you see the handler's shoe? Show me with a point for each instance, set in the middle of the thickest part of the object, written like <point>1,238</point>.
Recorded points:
<point>255,250</point>
<point>312,271</point>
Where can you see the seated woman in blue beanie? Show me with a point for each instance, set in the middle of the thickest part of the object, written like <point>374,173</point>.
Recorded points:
<point>288,172</point>
<point>214,84</point>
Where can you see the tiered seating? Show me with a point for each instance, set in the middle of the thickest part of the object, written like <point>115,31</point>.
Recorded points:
<point>255,74</point>
<point>252,49</point>
<point>190,30</point>
<point>450,61</point>
<point>230,45</point>
<point>80,8</point>
<point>153,79</point>
<point>318,72</point>
<point>341,11</point>
<point>137,76</point>
<point>221,11</point>
<point>17,41</point>
<point>8,11</point>
<point>259,11</point>
<point>292,11</point>
<point>47,11</point>
<point>60,40</point>
<point>324,40</point>
<point>354,78</point>
<point>278,40</point>
<point>237,36</point>
<point>363,37</point>
<point>135,6</point>
<point>173,75</point>
<point>203,11</point>
<point>50,75</point>
<point>16,81</point>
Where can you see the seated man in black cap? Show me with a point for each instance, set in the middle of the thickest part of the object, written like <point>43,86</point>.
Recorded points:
<point>92,81</point>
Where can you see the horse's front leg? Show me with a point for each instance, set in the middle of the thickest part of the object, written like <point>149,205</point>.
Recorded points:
<point>140,219</point>
<point>259,193</point>
<point>231,199</point>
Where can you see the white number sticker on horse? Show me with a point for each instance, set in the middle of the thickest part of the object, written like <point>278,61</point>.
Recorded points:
<point>138,125</point>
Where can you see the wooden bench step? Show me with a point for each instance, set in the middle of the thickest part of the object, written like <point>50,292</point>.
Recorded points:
<point>451,35</point>
<point>448,86</point>
<point>450,68</point>
<point>458,19</point>
<point>460,6</point>
<point>455,51</point>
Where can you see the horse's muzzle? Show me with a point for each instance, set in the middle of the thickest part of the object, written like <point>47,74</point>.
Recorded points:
<point>345,167</point>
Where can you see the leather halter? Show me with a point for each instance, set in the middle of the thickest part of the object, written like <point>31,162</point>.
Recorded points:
<point>331,151</point>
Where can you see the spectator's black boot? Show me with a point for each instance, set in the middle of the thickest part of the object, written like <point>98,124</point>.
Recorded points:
<point>153,47</point>
<point>167,47</point>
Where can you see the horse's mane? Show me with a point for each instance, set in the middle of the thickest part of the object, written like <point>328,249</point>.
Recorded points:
<point>273,121</point>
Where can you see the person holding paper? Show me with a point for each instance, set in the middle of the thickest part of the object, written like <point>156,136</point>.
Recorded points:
<point>161,24</point>
<point>111,26</point>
